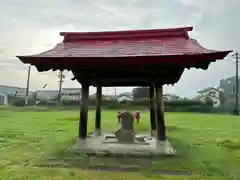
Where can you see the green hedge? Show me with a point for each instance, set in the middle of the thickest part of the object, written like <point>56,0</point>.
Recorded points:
<point>171,106</point>
<point>184,103</point>
<point>47,103</point>
<point>21,102</point>
<point>109,103</point>
<point>70,103</point>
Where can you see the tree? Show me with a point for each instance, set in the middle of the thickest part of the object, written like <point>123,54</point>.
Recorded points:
<point>140,92</point>
<point>208,101</point>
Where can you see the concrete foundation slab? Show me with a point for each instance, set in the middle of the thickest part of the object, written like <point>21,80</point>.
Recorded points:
<point>149,146</point>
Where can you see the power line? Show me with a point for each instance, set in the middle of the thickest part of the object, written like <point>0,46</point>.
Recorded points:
<point>236,110</point>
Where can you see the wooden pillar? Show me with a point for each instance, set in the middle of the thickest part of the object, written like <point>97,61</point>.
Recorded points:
<point>98,111</point>
<point>152,110</point>
<point>160,122</point>
<point>82,134</point>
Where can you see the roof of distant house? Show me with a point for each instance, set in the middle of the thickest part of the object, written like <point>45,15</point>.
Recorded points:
<point>208,89</point>
<point>8,86</point>
<point>126,94</point>
<point>47,91</point>
<point>71,88</point>
<point>205,95</point>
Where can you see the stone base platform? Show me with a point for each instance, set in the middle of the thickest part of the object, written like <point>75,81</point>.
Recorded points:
<point>107,144</point>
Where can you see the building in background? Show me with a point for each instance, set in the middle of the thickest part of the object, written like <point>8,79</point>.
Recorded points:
<point>125,97</point>
<point>12,91</point>
<point>210,93</point>
<point>3,99</point>
<point>47,95</point>
<point>9,92</point>
<point>229,88</point>
<point>229,85</point>
<point>71,94</point>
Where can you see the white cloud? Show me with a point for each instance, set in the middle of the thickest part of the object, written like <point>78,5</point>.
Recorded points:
<point>29,27</point>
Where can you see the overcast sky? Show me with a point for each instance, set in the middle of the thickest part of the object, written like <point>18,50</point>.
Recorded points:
<point>29,27</point>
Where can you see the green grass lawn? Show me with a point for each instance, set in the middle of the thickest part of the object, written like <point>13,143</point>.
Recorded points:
<point>33,145</point>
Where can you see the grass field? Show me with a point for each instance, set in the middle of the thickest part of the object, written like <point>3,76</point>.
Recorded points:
<point>33,145</point>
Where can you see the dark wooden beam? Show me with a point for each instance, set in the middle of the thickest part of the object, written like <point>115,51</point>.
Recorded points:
<point>127,82</point>
<point>82,134</point>
<point>152,108</point>
<point>125,67</point>
<point>123,77</point>
<point>160,122</point>
<point>98,110</point>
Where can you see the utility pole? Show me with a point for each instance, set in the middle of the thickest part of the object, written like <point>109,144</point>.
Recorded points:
<point>27,89</point>
<point>61,76</point>
<point>236,110</point>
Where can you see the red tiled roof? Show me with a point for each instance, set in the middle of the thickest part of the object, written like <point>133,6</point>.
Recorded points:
<point>126,48</point>
<point>163,42</point>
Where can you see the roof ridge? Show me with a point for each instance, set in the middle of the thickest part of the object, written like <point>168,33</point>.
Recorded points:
<point>132,34</point>
<point>12,86</point>
<point>208,88</point>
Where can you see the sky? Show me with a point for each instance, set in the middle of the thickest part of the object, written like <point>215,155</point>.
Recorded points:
<point>29,27</point>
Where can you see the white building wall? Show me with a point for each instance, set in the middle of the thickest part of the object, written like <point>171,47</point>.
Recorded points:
<point>3,99</point>
<point>212,92</point>
<point>47,95</point>
<point>71,94</point>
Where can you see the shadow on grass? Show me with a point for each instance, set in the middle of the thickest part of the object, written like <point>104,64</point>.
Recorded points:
<point>229,144</point>
<point>4,114</point>
<point>64,157</point>
<point>172,128</point>
<point>68,119</point>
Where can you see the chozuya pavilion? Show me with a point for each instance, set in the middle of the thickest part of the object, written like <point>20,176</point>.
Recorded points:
<point>126,58</point>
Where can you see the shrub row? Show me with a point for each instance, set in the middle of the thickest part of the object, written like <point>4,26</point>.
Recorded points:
<point>171,106</point>
<point>21,102</point>
<point>107,103</point>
